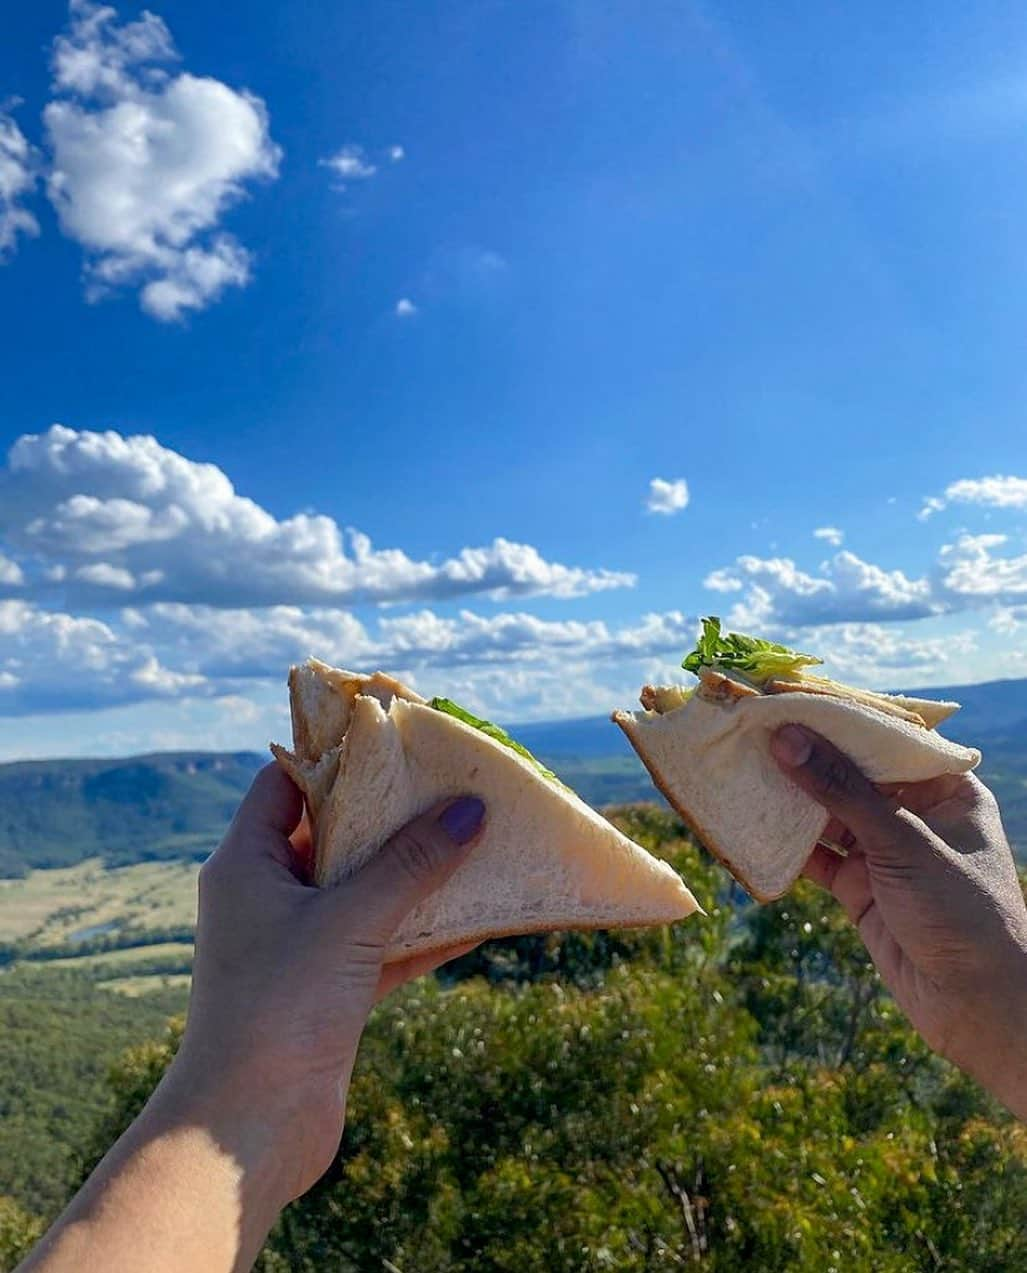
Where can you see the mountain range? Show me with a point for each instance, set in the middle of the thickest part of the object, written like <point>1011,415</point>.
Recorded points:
<point>176,804</point>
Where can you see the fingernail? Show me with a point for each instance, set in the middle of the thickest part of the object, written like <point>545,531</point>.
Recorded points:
<point>462,819</point>
<point>791,745</point>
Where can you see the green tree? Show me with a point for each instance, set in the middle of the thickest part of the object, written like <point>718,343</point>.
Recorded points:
<point>19,1232</point>
<point>738,1092</point>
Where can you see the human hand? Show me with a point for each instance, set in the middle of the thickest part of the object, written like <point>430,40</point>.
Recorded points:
<point>930,883</point>
<point>286,974</point>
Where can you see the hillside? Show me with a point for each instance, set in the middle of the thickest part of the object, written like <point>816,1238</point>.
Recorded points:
<point>57,813</point>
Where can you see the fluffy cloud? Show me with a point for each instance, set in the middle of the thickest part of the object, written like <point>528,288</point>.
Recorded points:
<point>830,535</point>
<point>405,308</point>
<point>850,589</point>
<point>56,661</point>
<point>350,163</point>
<point>881,657</point>
<point>969,574</point>
<point>60,662</point>
<point>146,162</point>
<point>970,571</point>
<point>17,180</point>
<point>11,575</point>
<point>258,644</point>
<point>116,516</point>
<point>667,497</point>
<point>990,492</point>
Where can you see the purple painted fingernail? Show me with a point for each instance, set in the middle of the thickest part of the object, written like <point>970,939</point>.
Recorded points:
<point>462,819</point>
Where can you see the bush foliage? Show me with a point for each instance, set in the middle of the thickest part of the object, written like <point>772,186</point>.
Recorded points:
<point>737,1092</point>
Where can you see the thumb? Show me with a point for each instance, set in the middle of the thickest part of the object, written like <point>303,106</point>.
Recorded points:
<point>410,866</point>
<point>835,783</point>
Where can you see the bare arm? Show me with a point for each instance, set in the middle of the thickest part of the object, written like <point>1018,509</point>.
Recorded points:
<point>930,883</point>
<point>250,1112</point>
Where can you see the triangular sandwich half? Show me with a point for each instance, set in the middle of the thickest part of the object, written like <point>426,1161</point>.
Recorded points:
<point>371,754</point>
<point>707,749</point>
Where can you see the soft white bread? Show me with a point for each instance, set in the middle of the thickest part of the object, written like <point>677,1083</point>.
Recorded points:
<point>544,860</point>
<point>711,759</point>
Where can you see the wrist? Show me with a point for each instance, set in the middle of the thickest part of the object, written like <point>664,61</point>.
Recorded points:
<point>242,1133</point>
<point>278,1136</point>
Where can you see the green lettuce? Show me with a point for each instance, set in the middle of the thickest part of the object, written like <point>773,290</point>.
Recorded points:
<point>493,731</point>
<point>759,661</point>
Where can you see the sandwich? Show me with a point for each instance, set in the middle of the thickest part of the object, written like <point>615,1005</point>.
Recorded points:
<point>369,754</point>
<point>707,748</point>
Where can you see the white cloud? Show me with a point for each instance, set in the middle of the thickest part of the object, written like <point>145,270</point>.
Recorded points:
<point>1007,619</point>
<point>146,162</point>
<point>473,638</point>
<point>250,644</point>
<point>56,661</point>
<point>11,574</point>
<point>396,153</point>
<point>405,308</point>
<point>849,589</point>
<point>931,506</point>
<point>52,661</point>
<point>18,167</point>
<point>667,497</point>
<point>883,657</point>
<point>104,575</point>
<point>830,534</point>
<point>108,512</point>
<point>350,163</point>
<point>988,492</point>
<point>970,571</point>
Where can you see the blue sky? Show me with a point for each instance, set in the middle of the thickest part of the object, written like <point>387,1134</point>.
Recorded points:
<point>467,279</point>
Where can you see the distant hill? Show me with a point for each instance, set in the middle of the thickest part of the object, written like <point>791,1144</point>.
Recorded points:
<point>167,805</point>
<point>993,709</point>
<point>177,804</point>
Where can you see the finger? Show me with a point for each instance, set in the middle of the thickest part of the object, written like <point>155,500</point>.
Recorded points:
<point>822,867</point>
<point>846,879</point>
<point>404,970</point>
<point>409,867</point>
<point>838,833</point>
<point>835,783</point>
<point>269,813</point>
<point>922,797</point>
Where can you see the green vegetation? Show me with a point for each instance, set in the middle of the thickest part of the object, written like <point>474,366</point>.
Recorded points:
<point>495,732</point>
<point>760,660</point>
<point>59,1036</point>
<point>734,1093</point>
<point>55,813</point>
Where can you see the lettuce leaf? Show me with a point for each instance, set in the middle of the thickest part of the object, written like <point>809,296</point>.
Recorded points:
<point>759,661</point>
<point>493,731</point>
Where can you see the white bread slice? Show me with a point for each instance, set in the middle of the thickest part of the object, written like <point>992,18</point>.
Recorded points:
<point>544,860</point>
<point>919,711</point>
<point>712,761</point>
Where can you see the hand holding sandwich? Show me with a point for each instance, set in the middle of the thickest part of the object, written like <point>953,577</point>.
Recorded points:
<point>250,1112</point>
<point>929,881</point>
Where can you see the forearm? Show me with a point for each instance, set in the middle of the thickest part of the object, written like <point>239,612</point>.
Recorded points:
<point>191,1185</point>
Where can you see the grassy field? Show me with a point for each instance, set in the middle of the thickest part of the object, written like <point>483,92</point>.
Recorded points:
<point>130,955</point>
<point>59,907</point>
<point>59,910</point>
<point>146,984</point>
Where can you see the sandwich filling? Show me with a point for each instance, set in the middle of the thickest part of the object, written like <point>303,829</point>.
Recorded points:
<point>730,665</point>
<point>492,731</point>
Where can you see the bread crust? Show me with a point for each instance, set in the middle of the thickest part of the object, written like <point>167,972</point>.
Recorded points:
<point>879,702</point>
